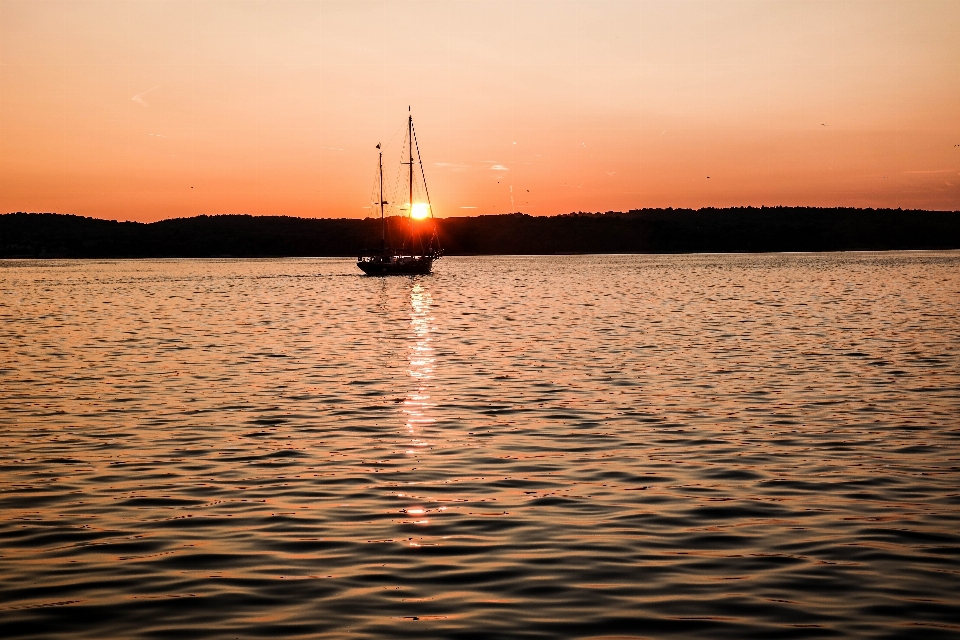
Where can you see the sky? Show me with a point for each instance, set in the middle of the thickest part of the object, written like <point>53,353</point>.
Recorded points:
<point>146,110</point>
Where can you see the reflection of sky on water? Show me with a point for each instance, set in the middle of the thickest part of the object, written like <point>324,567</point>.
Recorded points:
<point>551,446</point>
<point>420,368</point>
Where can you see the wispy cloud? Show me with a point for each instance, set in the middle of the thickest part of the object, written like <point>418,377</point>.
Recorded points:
<point>454,166</point>
<point>499,167</point>
<point>139,97</point>
<point>468,207</point>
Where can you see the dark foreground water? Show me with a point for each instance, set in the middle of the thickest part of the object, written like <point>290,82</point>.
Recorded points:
<point>632,446</point>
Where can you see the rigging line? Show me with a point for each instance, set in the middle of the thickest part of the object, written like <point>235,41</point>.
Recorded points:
<point>422,174</point>
<point>401,175</point>
<point>394,199</point>
<point>414,237</point>
<point>373,189</point>
<point>393,136</point>
<point>377,183</point>
<point>399,197</point>
<point>426,189</point>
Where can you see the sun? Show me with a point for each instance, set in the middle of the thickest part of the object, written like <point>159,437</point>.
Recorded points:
<point>420,211</point>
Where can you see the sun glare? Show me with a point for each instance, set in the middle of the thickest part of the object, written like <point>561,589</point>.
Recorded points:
<point>420,211</point>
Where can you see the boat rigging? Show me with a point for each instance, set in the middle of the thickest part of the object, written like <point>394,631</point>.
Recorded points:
<point>412,257</point>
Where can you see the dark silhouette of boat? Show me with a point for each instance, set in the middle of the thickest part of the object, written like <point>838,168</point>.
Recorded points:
<point>413,256</point>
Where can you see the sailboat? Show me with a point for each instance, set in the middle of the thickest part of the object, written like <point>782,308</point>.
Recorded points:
<point>412,257</point>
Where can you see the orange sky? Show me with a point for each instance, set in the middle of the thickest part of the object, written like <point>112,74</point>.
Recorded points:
<point>149,110</point>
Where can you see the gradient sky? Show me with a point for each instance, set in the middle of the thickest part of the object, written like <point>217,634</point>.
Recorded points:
<point>143,110</point>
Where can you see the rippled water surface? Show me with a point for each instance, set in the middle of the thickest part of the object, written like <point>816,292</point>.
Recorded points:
<point>574,446</point>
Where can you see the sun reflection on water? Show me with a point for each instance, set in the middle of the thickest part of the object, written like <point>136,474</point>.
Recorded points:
<point>420,368</point>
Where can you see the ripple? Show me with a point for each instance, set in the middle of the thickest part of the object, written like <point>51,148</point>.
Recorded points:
<point>575,446</point>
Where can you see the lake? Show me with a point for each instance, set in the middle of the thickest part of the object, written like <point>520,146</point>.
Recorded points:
<point>738,446</point>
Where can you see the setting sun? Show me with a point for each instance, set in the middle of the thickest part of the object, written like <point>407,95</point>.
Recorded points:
<point>220,268</point>
<point>420,211</point>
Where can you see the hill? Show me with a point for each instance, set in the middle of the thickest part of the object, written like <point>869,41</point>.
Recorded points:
<point>745,229</point>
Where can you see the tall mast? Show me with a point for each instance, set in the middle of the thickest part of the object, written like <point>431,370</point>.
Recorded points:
<point>383,222</point>
<point>410,141</point>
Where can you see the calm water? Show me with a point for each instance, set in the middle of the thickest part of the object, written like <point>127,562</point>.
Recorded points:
<point>641,446</point>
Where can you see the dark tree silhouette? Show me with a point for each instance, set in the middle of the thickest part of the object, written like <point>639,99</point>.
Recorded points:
<point>743,229</point>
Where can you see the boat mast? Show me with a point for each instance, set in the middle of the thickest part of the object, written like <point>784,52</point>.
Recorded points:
<point>410,142</point>
<point>383,222</point>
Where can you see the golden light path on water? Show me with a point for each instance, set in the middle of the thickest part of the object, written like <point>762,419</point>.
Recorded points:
<point>417,403</point>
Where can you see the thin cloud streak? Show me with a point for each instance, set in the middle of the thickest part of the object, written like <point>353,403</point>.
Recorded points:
<point>139,97</point>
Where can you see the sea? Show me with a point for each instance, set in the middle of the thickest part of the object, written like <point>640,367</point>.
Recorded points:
<point>615,446</point>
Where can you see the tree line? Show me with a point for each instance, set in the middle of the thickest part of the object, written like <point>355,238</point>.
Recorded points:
<point>738,229</point>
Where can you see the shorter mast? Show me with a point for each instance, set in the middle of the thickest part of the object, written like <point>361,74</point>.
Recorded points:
<point>383,222</point>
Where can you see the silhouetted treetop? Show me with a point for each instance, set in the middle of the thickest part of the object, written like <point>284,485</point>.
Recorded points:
<point>736,229</point>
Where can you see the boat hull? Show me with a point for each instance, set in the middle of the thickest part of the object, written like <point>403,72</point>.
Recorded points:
<point>414,266</point>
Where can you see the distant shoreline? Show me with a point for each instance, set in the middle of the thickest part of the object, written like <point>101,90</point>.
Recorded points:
<point>647,231</point>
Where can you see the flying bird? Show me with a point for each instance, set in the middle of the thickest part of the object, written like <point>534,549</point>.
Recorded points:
<point>139,97</point>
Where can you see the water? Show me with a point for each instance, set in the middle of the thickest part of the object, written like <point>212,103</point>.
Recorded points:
<point>642,446</point>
